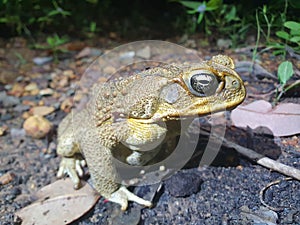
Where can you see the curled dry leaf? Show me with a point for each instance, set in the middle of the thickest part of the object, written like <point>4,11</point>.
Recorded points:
<point>59,203</point>
<point>282,120</point>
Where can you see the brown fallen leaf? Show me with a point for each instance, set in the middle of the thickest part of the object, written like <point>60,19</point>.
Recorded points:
<point>59,203</point>
<point>282,120</point>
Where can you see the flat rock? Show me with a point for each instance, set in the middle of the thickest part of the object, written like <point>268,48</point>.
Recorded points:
<point>7,100</point>
<point>183,184</point>
<point>42,110</point>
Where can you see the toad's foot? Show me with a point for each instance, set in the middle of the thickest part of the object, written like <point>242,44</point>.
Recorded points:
<point>72,167</point>
<point>122,196</point>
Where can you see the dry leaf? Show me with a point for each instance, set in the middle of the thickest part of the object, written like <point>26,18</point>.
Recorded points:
<point>283,120</point>
<point>59,203</point>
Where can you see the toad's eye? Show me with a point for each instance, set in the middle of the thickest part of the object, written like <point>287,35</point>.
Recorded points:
<point>203,83</point>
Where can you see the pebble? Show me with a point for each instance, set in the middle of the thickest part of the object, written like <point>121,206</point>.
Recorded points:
<point>21,108</point>
<point>64,82</point>
<point>87,51</point>
<point>18,134</point>
<point>66,105</point>
<point>183,184</point>
<point>109,70</point>
<point>3,129</point>
<point>70,92</point>
<point>144,53</point>
<point>8,87</point>
<point>37,126</point>
<point>42,60</point>
<point>69,73</point>
<point>7,178</point>
<point>31,87</point>
<point>5,117</point>
<point>17,90</point>
<point>46,92</point>
<point>224,43</point>
<point>127,55</point>
<point>7,100</point>
<point>42,110</point>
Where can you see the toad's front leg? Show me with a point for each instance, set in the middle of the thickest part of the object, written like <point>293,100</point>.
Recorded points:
<point>72,161</point>
<point>122,196</point>
<point>103,172</point>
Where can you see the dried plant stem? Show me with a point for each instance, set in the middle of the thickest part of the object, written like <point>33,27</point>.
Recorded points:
<point>260,159</point>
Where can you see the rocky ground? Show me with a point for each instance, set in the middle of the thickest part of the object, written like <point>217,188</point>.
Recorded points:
<point>231,191</point>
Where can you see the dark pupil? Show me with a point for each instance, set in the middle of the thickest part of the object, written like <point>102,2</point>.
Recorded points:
<point>204,84</point>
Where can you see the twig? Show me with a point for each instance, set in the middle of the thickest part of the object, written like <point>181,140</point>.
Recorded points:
<point>262,193</point>
<point>260,159</point>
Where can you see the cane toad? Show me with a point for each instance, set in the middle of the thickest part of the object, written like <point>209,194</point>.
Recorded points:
<point>129,110</point>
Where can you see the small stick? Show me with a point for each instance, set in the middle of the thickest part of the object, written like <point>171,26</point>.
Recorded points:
<point>259,158</point>
<point>262,193</point>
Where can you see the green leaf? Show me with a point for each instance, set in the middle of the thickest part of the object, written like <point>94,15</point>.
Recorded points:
<point>53,12</point>
<point>191,4</point>
<point>93,26</point>
<point>295,39</point>
<point>3,20</point>
<point>292,25</point>
<point>191,11</point>
<point>285,72</point>
<point>214,4</point>
<point>279,52</point>
<point>200,17</point>
<point>231,15</point>
<point>92,1</point>
<point>282,34</point>
<point>295,32</point>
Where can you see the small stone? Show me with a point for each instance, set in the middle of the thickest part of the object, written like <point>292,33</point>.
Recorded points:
<point>21,108</point>
<point>224,43</point>
<point>46,92</point>
<point>42,110</point>
<point>7,100</point>
<point>17,90</point>
<point>162,168</point>
<point>37,126</point>
<point>5,117</point>
<point>70,92</point>
<point>26,115</point>
<point>127,55</point>
<point>8,87</point>
<point>144,53</point>
<point>87,51</point>
<point>64,82</point>
<point>66,105</point>
<point>17,133</point>
<point>183,184</point>
<point>3,129</point>
<point>109,70</point>
<point>69,73</point>
<point>42,60</point>
<point>7,178</point>
<point>30,87</point>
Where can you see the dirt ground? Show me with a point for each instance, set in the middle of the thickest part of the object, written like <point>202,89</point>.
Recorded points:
<point>230,191</point>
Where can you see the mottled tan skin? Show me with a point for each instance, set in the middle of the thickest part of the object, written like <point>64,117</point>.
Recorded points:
<point>129,111</point>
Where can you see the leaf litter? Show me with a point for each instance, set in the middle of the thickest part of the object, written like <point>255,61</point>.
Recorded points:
<point>282,120</point>
<point>59,203</point>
